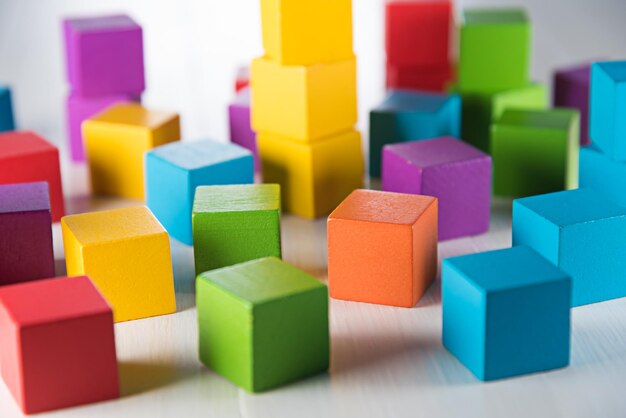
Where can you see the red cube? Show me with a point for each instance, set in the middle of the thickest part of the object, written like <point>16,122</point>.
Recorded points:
<point>25,157</point>
<point>435,79</point>
<point>57,344</point>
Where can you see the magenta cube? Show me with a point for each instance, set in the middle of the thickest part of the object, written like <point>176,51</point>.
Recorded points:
<point>25,233</point>
<point>80,108</point>
<point>241,132</point>
<point>571,89</point>
<point>451,170</point>
<point>104,55</point>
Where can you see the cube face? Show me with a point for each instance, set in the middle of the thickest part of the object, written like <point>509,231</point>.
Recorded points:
<point>307,33</point>
<point>7,120</point>
<point>98,244</point>
<point>277,328</point>
<point>571,89</point>
<point>494,42</point>
<point>26,157</point>
<point>313,180</point>
<point>507,319</point>
<point>388,257</point>
<point>116,141</point>
<point>535,152</point>
<point>233,224</point>
<point>104,55</point>
<point>607,121</point>
<point>303,103</point>
<point>430,79</point>
<point>599,172</point>
<point>174,171</point>
<point>241,132</point>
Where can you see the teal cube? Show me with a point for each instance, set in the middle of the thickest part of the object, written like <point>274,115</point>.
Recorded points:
<point>600,172</point>
<point>262,323</point>
<point>7,120</point>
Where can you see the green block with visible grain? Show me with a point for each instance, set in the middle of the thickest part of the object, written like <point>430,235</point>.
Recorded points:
<point>494,50</point>
<point>263,323</point>
<point>535,152</point>
<point>233,224</point>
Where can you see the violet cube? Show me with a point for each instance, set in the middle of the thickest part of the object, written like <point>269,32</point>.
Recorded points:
<point>25,233</point>
<point>456,173</point>
<point>571,89</point>
<point>104,55</point>
<point>241,132</point>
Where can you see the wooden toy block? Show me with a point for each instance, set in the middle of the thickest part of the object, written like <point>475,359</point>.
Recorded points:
<point>7,120</point>
<point>116,141</point>
<point>262,323</point>
<point>581,232</point>
<point>571,89</point>
<point>535,151</point>
<point>25,157</point>
<point>303,103</point>
<point>417,33</point>
<point>104,55</point>
<point>382,247</point>
<point>456,173</point>
<point>599,172</point>
<point>297,32</point>
<point>26,251</point>
<point>607,107</point>
<point>126,252</point>
<point>241,132</point>
<point>410,116</point>
<point>494,50</point>
<point>81,108</point>
<point>430,79</point>
<point>58,345</point>
<point>480,110</point>
<point>315,177</point>
<point>233,224</point>
<point>174,171</point>
<point>506,313</point>
<point>242,78</point>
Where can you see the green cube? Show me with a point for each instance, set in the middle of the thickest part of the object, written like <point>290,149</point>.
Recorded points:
<point>494,50</point>
<point>233,224</point>
<point>535,152</point>
<point>262,323</point>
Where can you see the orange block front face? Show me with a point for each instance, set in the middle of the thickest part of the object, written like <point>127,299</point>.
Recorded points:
<point>382,247</point>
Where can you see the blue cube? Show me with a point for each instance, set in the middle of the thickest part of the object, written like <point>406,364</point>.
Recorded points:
<point>173,172</point>
<point>506,312</point>
<point>583,233</point>
<point>7,122</point>
<point>410,116</point>
<point>607,107</point>
<point>599,172</point>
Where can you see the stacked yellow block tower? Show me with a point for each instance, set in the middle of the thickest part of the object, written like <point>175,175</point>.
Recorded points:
<point>304,104</point>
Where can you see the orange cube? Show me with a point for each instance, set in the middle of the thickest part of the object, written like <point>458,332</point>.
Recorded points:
<point>382,247</point>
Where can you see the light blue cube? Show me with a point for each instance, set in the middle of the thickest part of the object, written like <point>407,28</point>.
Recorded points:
<point>583,233</point>
<point>599,172</point>
<point>7,122</point>
<point>607,108</point>
<point>410,116</point>
<point>173,172</point>
<point>506,312</point>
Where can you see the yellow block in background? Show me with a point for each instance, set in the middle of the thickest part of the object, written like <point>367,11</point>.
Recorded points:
<point>305,32</point>
<point>116,141</point>
<point>126,253</point>
<point>315,177</point>
<point>303,103</point>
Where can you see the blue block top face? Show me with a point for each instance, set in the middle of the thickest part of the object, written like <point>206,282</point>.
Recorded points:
<point>192,155</point>
<point>100,24</point>
<point>571,207</point>
<point>511,268</point>
<point>4,90</point>
<point>403,101</point>
<point>24,197</point>
<point>436,151</point>
<point>616,70</point>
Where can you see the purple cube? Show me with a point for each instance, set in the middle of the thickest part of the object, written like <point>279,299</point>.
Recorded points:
<point>571,89</point>
<point>25,233</point>
<point>104,55</point>
<point>80,108</point>
<point>451,170</point>
<point>241,132</point>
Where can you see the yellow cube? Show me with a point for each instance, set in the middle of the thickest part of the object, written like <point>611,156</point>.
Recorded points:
<point>116,141</point>
<point>303,103</point>
<point>305,32</point>
<point>126,253</point>
<point>314,177</point>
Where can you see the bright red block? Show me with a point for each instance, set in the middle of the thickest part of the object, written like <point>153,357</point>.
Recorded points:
<point>242,79</point>
<point>57,344</point>
<point>434,79</point>
<point>26,157</point>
